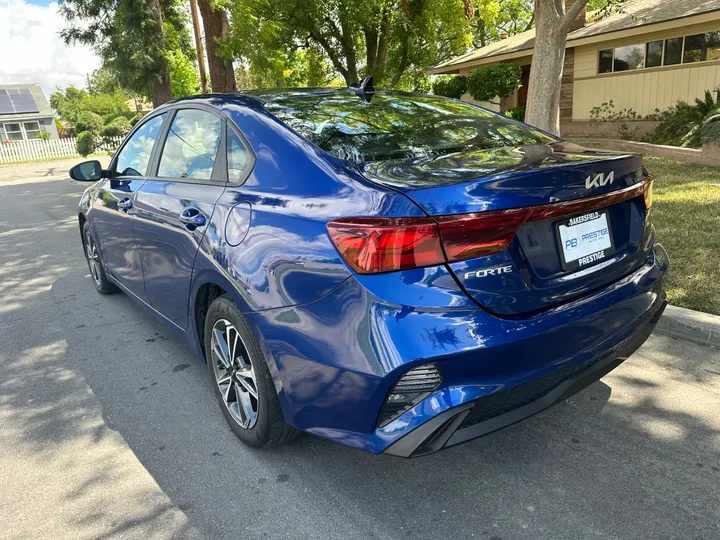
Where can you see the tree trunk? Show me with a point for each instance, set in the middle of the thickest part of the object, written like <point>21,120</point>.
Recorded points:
<point>348,46</point>
<point>215,23</point>
<point>160,89</point>
<point>376,47</point>
<point>552,23</point>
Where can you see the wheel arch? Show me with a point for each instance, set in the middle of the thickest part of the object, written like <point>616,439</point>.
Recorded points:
<point>206,287</point>
<point>81,222</point>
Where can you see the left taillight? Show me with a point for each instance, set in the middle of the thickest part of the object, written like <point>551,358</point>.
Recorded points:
<point>373,245</point>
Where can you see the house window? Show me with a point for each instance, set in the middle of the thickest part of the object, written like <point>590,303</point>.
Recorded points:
<point>32,130</point>
<point>653,54</point>
<point>701,47</point>
<point>13,132</point>
<point>606,61</point>
<point>673,51</point>
<point>630,57</point>
<point>695,50</point>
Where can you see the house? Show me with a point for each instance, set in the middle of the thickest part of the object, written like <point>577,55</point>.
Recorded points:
<point>646,57</point>
<point>24,113</point>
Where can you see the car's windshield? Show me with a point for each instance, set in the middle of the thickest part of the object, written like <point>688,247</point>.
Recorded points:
<point>394,126</point>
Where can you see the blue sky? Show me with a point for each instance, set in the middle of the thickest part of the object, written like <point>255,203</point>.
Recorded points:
<point>31,30</point>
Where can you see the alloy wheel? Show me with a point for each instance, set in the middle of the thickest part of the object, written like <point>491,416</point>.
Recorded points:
<point>234,373</point>
<point>93,258</point>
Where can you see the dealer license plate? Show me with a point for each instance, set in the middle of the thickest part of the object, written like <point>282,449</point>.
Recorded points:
<point>585,239</point>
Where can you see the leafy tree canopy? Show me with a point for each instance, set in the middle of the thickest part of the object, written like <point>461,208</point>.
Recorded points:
<point>73,107</point>
<point>133,48</point>
<point>393,40</point>
<point>495,18</point>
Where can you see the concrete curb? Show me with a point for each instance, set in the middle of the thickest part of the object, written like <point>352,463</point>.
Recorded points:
<point>689,325</point>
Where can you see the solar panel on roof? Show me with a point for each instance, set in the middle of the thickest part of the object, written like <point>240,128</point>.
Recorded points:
<point>6,106</point>
<point>17,101</point>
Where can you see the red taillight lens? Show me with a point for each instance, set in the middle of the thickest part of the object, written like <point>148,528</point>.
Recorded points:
<point>371,245</point>
<point>466,236</point>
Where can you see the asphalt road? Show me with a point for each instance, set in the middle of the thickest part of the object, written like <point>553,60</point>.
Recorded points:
<point>109,429</point>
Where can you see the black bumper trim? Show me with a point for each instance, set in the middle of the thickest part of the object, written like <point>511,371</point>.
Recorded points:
<point>442,430</point>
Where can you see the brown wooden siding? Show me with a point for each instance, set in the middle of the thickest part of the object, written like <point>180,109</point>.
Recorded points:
<point>566,87</point>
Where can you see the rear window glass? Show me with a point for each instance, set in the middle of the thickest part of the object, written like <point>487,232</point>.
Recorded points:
<point>395,126</point>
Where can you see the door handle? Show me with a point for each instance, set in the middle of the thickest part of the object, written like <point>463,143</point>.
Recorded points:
<point>192,217</point>
<point>125,204</point>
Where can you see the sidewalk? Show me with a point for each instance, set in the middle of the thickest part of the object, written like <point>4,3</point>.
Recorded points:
<point>41,171</point>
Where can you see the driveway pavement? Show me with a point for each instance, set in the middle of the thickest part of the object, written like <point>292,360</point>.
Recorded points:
<point>109,429</point>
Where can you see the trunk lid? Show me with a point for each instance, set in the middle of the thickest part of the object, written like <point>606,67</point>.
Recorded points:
<point>535,271</point>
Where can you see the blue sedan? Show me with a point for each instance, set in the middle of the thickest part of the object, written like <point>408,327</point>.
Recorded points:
<point>393,271</point>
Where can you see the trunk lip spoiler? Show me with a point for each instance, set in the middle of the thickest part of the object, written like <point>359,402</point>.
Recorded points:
<point>560,209</point>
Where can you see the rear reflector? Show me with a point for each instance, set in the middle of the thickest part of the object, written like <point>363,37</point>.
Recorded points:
<point>409,390</point>
<point>373,245</point>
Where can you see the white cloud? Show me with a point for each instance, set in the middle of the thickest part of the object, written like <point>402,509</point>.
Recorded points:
<point>31,50</point>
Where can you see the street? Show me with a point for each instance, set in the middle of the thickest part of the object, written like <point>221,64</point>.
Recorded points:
<point>109,428</point>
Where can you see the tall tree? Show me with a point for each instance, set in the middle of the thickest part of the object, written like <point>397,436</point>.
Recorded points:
<point>553,22</point>
<point>130,37</point>
<point>217,31</point>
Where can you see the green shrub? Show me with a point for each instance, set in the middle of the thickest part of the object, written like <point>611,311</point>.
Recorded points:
<point>85,143</point>
<point>88,121</point>
<point>117,128</point>
<point>711,128</point>
<point>450,86</point>
<point>518,113</point>
<point>683,124</point>
<point>44,135</point>
<point>495,80</point>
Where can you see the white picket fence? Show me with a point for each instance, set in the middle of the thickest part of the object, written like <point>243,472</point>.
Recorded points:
<point>38,149</point>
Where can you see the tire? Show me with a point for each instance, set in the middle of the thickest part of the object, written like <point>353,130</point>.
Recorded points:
<point>97,269</point>
<point>257,421</point>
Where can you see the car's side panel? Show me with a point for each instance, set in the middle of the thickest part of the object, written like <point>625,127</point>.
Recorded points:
<point>113,231</point>
<point>168,246</point>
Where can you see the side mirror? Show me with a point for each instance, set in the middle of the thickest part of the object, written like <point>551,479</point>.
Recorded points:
<point>88,171</point>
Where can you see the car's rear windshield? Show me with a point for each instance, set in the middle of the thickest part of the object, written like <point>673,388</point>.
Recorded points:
<point>396,126</point>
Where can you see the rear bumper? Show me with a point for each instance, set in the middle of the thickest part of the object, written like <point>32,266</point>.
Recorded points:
<point>335,360</point>
<point>472,420</point>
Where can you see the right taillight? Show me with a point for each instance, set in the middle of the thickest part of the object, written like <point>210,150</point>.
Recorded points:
<point>466,236</point>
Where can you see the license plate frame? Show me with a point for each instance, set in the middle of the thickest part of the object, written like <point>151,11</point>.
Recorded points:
<point>587,223</point>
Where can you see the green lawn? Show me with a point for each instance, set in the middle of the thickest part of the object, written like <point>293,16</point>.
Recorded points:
<point>686,214</point>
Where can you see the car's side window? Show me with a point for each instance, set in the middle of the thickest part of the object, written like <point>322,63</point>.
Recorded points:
<point>134,157</point>
<point>237,157</point>
<point>191,146</point>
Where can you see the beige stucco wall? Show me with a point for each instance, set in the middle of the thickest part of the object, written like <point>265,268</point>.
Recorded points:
<point>643,90</point>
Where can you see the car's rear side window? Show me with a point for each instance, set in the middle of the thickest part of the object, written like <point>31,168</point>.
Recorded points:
<point>191,146</point>
<point>134,157</point>
<point>393,126</point>
<point>238,157</point>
